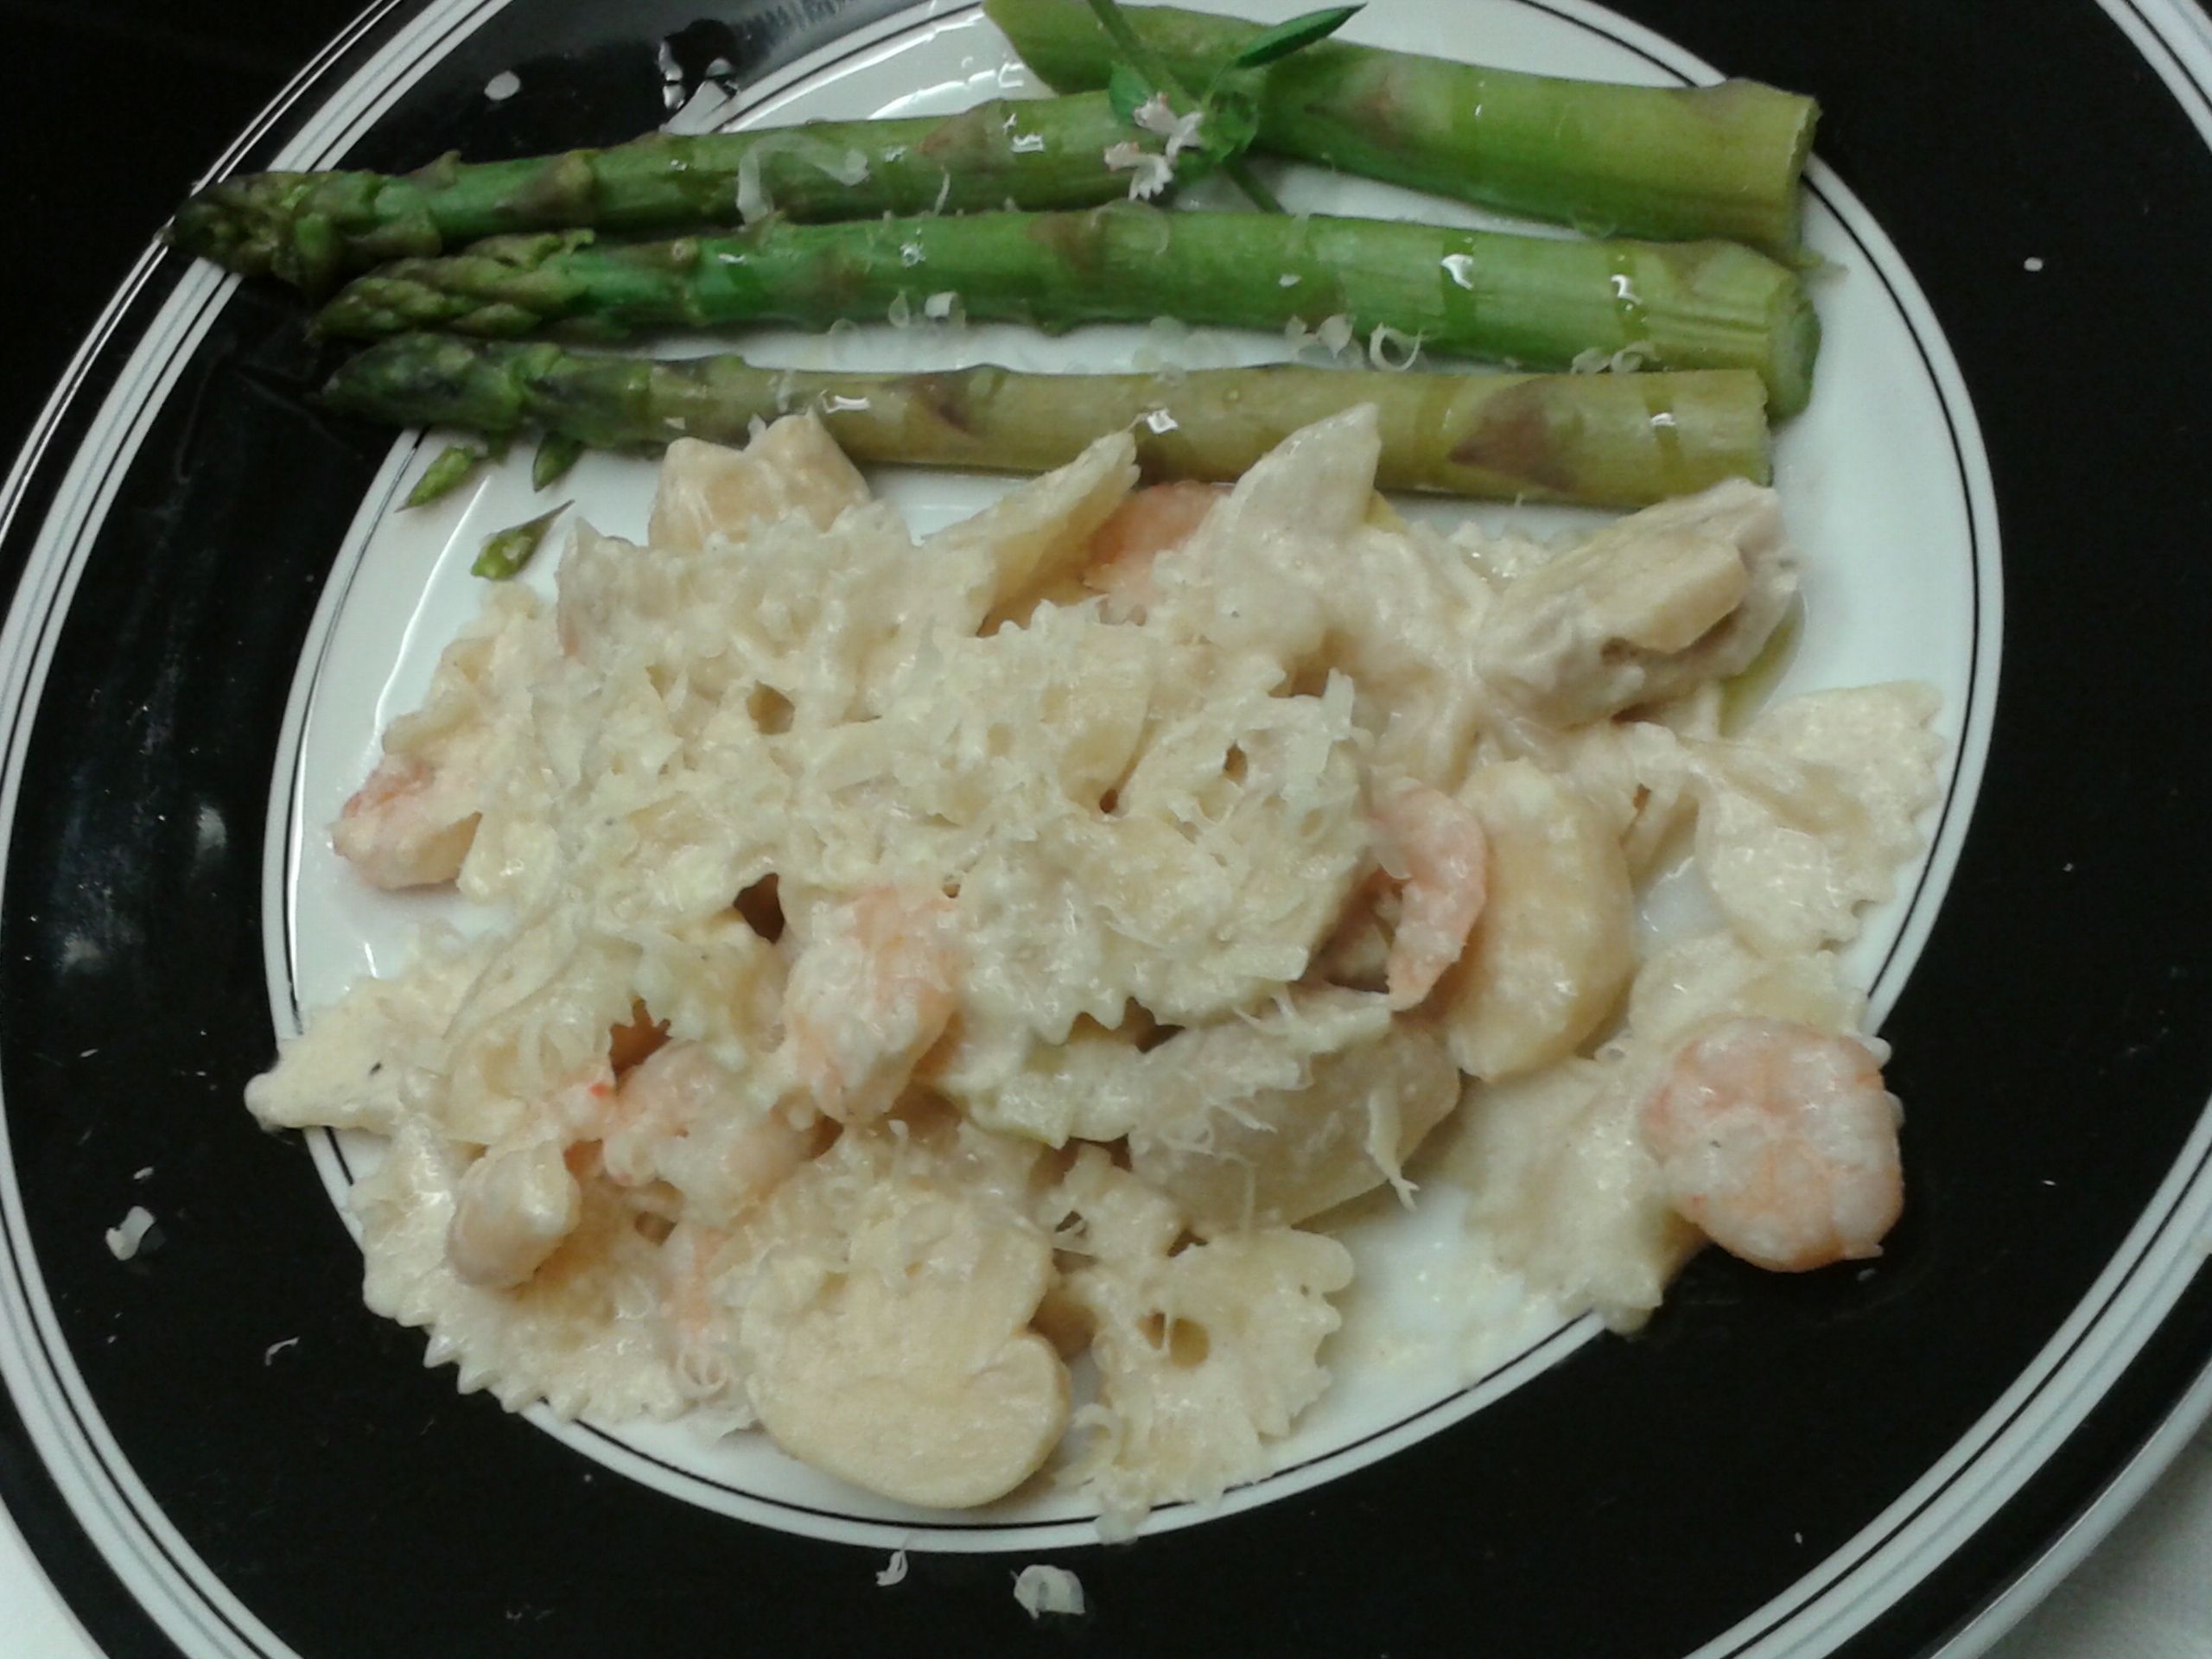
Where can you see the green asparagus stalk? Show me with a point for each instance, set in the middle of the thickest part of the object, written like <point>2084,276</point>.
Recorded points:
<point>556,453</point>
<point>1527,301</point>
<point>1609,440</point>
<point>1669,162</point>
<point>310,227</point>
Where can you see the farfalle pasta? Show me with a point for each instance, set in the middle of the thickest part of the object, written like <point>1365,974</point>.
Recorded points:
<point>908,966</point>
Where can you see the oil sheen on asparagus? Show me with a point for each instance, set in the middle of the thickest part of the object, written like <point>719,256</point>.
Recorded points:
<point>1527,301</point>
<point>308,228</point>
<point>1599,439</point>
<point>1676,162</point>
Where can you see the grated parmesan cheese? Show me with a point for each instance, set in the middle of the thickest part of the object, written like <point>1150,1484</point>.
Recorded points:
<point>1073,845</point>
<point>1595,359</point>
<point>1334,334</point>
<point>125,1240</point>
<point>1149,171</point>
<point>1390,348</point>
<point>847,167</point>
<point>1043,1589</point>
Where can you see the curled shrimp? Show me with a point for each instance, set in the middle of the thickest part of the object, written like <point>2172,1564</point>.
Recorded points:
<point>681,1115</point>
<point>1779,1143</point>
<point>1148,521</point>
<point>405,827</point>
<point>1433,849</point>
<point>871,991</point>
<point>703,1336</point>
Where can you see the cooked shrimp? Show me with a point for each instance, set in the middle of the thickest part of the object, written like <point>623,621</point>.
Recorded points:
<point>1779,1143</point>
<point>682,1115</point>
<point>406,827</point>
<point>1149,521</point>
<point>1432,847</point>
<point>690,1259</point>
<point>511,1209</point>
<point>870,992</point>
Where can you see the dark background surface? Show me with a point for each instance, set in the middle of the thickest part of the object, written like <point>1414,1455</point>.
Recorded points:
<point>2096,986</point>
<point>114,109</point>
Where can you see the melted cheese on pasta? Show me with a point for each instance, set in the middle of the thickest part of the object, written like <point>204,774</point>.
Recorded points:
<point>1077,1006</point>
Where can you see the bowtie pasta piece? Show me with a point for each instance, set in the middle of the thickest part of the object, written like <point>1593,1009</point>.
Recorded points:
<point>1565,1193</point>
<point>582,1333</point>
<point>376,1055</point>
<point>1714,975</point>
<point>414,821</point>
<point>1035,537</point>
<point>913,966</point>
<point>1204,1356</point>
<point>1808,815</point>
<point>794,468</point>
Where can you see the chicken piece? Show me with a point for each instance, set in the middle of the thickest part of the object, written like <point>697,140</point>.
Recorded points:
<point>1259,1123</point>
<point>1643,610</point>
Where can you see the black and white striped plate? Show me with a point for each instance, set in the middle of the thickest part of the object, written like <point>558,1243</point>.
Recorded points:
<point>218,1451</point>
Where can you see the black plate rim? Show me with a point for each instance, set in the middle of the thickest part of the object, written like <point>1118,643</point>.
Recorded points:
<point>66,401</point>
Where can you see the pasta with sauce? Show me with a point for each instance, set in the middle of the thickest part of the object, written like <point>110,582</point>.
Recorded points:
<point>920,963</point>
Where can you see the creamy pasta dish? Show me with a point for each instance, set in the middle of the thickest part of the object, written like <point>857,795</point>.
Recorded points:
<point>916,975</point>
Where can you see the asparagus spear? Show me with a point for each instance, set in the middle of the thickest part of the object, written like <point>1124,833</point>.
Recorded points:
<point>1636,161</point>
<point>1600,439</point>
<point>310,228</point>
<point>444,476</point>
<point>506,551</point>
<point>556,453</point>
<point>1526,301</point>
